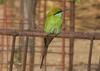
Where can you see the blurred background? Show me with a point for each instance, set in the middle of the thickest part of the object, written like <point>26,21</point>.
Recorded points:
<point>29,15</point>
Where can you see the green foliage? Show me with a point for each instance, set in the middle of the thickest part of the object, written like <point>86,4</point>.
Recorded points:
<point>2,2</point>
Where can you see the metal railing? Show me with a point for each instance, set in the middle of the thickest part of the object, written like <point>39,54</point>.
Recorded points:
<point>71,35</point>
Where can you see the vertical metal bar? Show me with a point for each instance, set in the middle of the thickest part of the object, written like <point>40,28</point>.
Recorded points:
<point>63,39</point>
<point>25,26</point>
<point>8,14</point>
<point>63,56</point>
<point>2,43</point>
<point>6,30</point>
<point>71,54</point>
<point>3,37</point>
<point>9,4</point>
<point>44,14</point>
<point>32,54</point>
<point>32,39</point>
<point>5,25</point>
<point>45,4</point>
<point>72,27</point>
<point>7,49</point>
<point>72,15</point>
<point>25,55</point>
<point>12,53</point>
<point>90,55</point>
<point>21,25</point>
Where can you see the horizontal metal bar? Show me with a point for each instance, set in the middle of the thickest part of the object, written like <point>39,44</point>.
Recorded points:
<point>60,53</point>
<point>38,33</point>
<point>34,64</point>
<point>38,46</point>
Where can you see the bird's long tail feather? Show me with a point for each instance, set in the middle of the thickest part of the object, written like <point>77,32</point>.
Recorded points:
<point>47,41</point>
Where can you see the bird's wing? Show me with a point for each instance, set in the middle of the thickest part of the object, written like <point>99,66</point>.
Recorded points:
<point>53,24</point>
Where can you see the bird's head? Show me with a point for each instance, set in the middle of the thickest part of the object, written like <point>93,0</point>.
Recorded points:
<point>54,11</point>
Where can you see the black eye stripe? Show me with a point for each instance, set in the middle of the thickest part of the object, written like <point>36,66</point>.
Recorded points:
<point>58,12</point>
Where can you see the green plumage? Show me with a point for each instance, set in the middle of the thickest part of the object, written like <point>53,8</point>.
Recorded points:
<point>53,25</point>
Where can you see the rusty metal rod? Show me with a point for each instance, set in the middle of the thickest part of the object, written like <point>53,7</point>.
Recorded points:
<point>12,53</point>
<point>77,35</point>
<point>25,55</point>
<point>50,65</point>
<point>2,39</point>
<point>72,29</point>
<point>71,54</point>
<point>40,52</point>
<point>45,9</point>
<point>37,46</point>
<point>63,54</point>
<point>63,39</point>
<point>90,54</point>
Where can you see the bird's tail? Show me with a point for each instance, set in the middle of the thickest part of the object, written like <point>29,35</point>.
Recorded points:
<point>47,41</point>
<point>43,56</point>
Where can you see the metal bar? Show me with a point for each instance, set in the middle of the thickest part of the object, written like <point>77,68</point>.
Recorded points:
<point>51,65</point>
<point>8,15</point>
<point>77,35</point>
<point>32,39</point>
<point>45,8</point>
<point>63,55</point>
<point>63,39</point>
<point>12,53</point>
<point>5,25</point>
<point>72,28</point>
<point>32,54</point>
<point>72,15</point>
<point>39,17</point>
<point>40,52</point>
<point>21,27</point>
<point>2,54</point>
<point>90,55</point>
<point>7,12</point>
<point>71,54</point>
<point>25,55</point>
<point>7,49</point>
<point>3,37</point>
<point>35,46</point>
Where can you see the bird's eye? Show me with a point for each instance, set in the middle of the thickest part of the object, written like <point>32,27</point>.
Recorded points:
<point>58,12</point>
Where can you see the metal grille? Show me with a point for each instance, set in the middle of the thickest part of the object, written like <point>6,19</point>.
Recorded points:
<point>21,38</point>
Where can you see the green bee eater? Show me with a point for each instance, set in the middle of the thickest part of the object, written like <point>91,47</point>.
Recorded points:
<point>53,25</point>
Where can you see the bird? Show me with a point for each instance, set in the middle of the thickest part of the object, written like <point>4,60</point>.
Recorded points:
<point>52,26</point>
